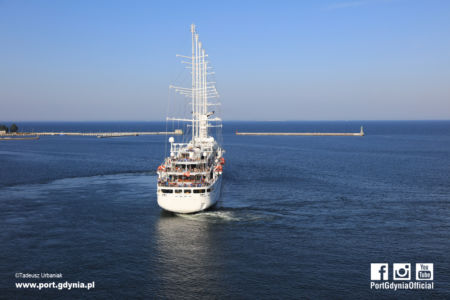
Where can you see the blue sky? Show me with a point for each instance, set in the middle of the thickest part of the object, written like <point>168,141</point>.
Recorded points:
<point>274,60</point>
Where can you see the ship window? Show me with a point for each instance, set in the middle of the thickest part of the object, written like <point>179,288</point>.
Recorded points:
<point>197,191</point>
<point>202,191</point>
<point>178,191</point>
<point>208,190</point>
<point>187,191</point>
<point>167,191</point>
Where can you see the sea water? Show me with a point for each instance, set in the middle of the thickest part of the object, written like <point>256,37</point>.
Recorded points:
<point>299,216</point>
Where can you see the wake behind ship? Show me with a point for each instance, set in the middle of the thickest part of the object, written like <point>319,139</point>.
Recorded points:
<point>190,179</point>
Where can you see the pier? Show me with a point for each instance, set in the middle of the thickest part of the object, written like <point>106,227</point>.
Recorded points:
<point>19,138</point>
<point>361,133</point>
<point>22,135</point>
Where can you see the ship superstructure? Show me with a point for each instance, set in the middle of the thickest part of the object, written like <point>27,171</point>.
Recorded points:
<point>190,179</point>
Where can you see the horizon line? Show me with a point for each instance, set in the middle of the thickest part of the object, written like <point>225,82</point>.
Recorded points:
<point>231,120</point>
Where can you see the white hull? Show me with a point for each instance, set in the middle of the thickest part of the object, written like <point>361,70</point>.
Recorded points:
<point>192,202</point>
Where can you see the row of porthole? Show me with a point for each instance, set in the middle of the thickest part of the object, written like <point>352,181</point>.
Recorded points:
<point>186,191</point>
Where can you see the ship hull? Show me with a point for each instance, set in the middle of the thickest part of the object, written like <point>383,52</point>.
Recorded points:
<point>192,202</point>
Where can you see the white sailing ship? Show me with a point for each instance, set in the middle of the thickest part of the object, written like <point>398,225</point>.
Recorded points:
<point>190,179</point>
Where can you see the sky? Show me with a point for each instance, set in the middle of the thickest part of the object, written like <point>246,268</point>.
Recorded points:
<point>274,60</point>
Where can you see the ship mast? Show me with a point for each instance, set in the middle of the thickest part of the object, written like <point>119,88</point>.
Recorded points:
<point>194,73</point>
<point>200,91</point>
<point>199,96</point>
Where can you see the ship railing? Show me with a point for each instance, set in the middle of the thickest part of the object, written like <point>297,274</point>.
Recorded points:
<point>189,160</point>
<point>183,184</point>
<point>180,170</point>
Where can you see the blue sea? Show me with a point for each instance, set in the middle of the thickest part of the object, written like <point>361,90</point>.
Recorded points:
<point>299,216</point>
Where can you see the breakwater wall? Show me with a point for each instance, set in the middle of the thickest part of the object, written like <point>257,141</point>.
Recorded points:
<point>97,134</point>
<point>361,133</point>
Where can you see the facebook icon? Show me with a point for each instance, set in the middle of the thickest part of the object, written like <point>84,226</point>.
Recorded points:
<point>379,271</point>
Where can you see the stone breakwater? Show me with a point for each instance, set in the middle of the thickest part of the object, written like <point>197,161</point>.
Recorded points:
<point>361,133</point>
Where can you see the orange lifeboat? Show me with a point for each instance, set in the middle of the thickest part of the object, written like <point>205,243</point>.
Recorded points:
<point>222,161</point>
<point>161,168</point>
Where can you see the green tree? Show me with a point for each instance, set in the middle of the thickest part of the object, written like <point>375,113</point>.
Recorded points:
<point>14,128</point>
<point>5,128</point>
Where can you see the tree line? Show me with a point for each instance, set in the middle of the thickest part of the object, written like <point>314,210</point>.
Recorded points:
<point>13,128</point>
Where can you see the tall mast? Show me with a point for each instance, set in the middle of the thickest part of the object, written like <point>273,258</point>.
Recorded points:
<point>204,118</point>
<point>194,63</point>
<point>199,92</point>
<point>197,84</point>
<point>199,96</point>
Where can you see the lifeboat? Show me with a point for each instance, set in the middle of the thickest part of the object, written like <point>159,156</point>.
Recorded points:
<point>222,161</point>
<point>161,168</point>
<point>187,174</point>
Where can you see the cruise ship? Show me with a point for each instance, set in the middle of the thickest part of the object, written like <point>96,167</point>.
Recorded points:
<point>190,178</point>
